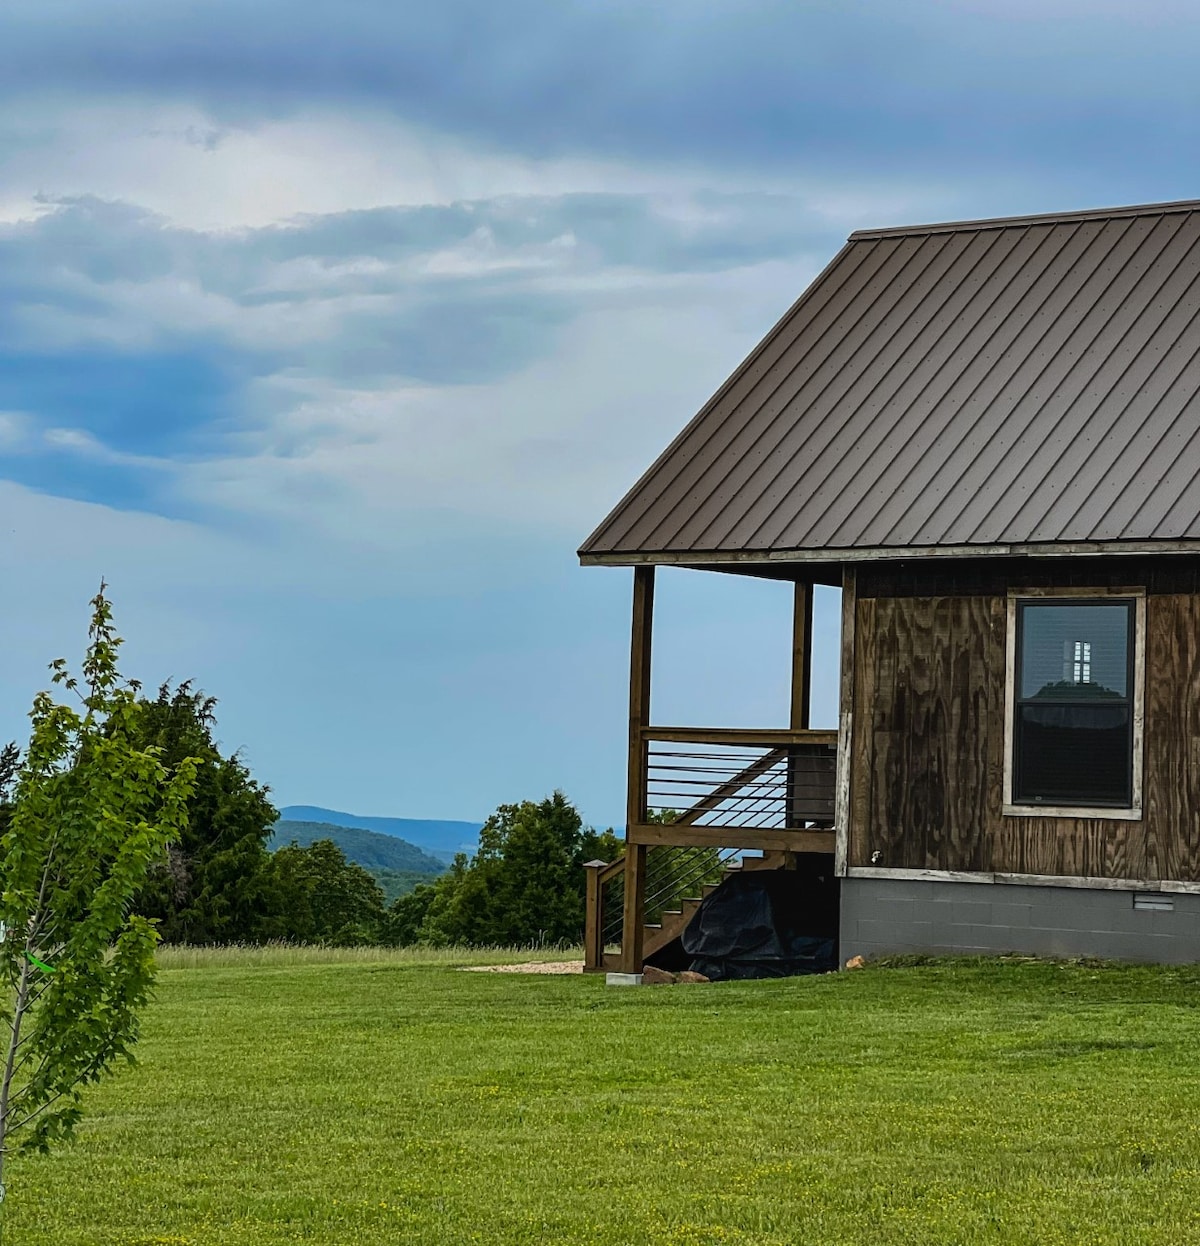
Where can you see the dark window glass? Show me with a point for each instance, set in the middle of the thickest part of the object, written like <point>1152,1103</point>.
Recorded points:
<point>1073,734</point>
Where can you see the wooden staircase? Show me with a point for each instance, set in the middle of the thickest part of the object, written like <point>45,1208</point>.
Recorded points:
<point>656,935</point>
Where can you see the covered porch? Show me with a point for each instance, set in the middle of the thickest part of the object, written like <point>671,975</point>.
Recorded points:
<point>703,802</point>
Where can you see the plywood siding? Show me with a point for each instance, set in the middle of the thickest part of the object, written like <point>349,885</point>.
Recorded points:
<point>928,748</point>
<point>1173,736</point>
<point>927,764</point>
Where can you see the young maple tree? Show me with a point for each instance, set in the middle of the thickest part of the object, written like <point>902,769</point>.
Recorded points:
<point>90,812</point>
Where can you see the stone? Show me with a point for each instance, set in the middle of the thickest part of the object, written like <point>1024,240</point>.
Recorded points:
<point>689,976</point>
<point>653,976</point>
<point>855,962</point>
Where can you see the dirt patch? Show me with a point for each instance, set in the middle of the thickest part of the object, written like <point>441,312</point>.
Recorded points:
<point>533,966</point>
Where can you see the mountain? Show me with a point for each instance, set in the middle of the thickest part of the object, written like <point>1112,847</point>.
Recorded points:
<point>369,849</point>
<point>440,839</point>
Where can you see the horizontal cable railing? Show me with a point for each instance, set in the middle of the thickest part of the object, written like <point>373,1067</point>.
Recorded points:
<point>769,780</point>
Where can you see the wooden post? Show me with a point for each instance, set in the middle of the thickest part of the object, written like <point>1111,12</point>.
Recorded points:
<point>845,724</point>
<point>801,689</point>
<point>633,929</point>
<point>635,805</point>
<point>802,614</point>
<point>593,930</point>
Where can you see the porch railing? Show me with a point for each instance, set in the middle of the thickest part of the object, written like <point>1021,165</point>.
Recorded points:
<point>737,781</point>
<point>702,795</point>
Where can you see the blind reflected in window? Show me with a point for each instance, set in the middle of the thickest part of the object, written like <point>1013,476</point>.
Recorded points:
<point>1073,728</point>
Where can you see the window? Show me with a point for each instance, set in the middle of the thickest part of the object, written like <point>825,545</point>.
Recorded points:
<point>1073,714</point>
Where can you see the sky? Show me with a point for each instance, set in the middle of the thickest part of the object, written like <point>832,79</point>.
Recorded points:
<point>328,332</point>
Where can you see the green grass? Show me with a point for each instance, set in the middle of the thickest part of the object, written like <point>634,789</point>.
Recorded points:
<point>386,1099</point>
<point>279,954</point>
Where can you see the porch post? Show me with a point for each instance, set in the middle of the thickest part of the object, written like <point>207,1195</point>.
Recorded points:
<point>635,804</point>
<point>845,723</point>
<point>802,613</point>
<point>802,610</point>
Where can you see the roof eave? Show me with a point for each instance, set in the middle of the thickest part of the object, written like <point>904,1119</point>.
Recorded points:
<point>1042,549</point>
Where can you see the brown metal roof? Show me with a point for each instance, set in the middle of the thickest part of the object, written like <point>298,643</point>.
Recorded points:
<point>984,386</point>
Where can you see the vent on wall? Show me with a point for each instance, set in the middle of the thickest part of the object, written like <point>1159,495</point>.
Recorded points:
<point>1153,902</point>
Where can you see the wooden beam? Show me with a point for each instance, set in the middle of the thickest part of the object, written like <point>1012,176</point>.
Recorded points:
<point>730,837</point>
<point>1167,885</point>
<point>764,737</point>
<point>802,615</point>
<point>841,819</point>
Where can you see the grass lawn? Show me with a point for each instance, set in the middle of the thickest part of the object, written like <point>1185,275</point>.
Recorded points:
<point>379,1099</point>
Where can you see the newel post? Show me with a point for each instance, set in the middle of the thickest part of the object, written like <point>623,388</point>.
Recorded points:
<point>593,928</point>
<point>635,806</point>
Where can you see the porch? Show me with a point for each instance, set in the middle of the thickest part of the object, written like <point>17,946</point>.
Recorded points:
<point>703,802</point>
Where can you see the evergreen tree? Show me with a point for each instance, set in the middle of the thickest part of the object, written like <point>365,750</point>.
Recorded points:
<point>10,765</point>
<point>214,884</point>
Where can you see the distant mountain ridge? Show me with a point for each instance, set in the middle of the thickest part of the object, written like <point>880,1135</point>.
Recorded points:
<point>369,849</point>
<point>441,839</point>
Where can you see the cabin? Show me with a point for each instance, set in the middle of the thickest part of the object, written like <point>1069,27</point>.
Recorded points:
<point>986,434</point>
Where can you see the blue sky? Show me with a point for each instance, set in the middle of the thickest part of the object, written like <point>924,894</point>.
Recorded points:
<point>327,333</point>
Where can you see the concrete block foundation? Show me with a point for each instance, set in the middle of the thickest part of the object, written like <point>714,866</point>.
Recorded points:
<point>891,916</point>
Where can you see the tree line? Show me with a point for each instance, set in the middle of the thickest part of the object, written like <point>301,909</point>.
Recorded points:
<point>217,882</point>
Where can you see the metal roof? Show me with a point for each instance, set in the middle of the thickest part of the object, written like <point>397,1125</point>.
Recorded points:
<point>977,387</point>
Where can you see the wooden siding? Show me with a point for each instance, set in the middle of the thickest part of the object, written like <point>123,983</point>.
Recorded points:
<point>928,743</point>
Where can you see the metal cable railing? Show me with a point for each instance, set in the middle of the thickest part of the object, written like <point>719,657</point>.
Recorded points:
<point>676,874</point>
<point>755,788</point>
<point>612,900</point>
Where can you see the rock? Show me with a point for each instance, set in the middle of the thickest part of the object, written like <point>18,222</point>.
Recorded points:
<point>652,976</point>
<point>689,976</point>
<point>855,962</point>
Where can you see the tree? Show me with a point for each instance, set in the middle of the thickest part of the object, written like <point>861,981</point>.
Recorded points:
<point>328,899</point>
<point>91,809</point>
<point>406,917</point>
<point>10,764</point>
<point>213,884</point>
<point>525,884</point>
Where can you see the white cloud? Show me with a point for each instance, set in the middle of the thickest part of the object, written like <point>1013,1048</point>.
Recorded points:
<point>548,448</point>
<point>174,160</point>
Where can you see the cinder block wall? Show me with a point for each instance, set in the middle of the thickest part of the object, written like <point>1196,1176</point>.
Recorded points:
<point>889,916</point>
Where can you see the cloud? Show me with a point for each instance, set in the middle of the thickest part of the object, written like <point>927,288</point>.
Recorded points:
<point>746,84</point>
<point>157,366</point>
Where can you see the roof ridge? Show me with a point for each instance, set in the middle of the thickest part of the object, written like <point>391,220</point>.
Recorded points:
<point>1043,218</point>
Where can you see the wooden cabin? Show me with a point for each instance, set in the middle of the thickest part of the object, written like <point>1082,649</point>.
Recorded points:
<point>987,434</point>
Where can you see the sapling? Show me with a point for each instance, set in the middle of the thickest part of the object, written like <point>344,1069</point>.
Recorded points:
<point>90,812</point>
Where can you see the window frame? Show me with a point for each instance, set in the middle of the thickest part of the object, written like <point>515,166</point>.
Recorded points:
<point>1076,596</point>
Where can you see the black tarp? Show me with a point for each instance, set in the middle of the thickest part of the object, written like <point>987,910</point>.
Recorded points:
<point>764,924</point>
